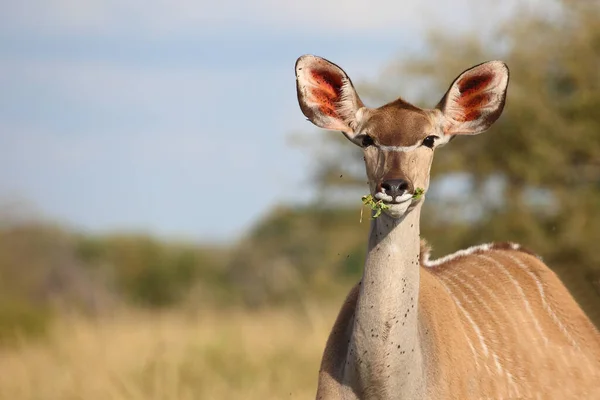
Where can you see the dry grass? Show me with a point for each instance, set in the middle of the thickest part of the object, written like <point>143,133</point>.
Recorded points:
<point>229,355</point>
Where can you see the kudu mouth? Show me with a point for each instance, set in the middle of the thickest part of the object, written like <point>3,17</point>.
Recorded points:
<point>390,200</point>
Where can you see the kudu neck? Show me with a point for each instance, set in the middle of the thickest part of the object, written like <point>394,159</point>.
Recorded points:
<point>384,353</point>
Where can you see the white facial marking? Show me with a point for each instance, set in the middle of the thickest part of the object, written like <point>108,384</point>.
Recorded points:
<point>386,197</point>
<point>443,139</point>
<point>403,198</point>
<point>383,196</point>
<point>401,149</point>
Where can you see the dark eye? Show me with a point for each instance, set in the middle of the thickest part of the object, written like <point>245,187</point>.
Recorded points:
<point>367,141</point>
<point>429,141</point>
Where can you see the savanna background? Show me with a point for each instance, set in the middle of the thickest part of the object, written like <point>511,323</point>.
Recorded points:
<point>172,228</point>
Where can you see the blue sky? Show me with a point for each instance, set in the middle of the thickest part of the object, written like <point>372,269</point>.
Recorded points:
<point>173,117</point>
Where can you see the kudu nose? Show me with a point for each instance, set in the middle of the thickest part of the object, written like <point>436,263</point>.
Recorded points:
<point>394,187</point>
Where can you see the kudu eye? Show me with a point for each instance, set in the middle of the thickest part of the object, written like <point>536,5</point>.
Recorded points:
<point>429,141</point>
<point>367,141</point>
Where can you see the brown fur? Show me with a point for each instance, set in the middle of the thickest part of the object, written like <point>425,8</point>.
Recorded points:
<point>530,366</point>
<point>398,123</point>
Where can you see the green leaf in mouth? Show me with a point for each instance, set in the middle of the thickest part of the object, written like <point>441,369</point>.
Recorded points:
<point>419,192</point>
<point>377,206</point>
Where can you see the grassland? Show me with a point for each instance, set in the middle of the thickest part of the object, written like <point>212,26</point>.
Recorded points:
<point>269,354</point>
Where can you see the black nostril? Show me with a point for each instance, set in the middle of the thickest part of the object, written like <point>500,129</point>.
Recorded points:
<point>386,186</point>
<point>394,187</point>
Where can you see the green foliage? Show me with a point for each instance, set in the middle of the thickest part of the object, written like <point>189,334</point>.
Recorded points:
<point>149,272</point>
<point>38,271</point>
<point>44,269</point>
<point>19,319</point>
<point>297,253</point>
<point>377,206</point>
<point>419,192</point>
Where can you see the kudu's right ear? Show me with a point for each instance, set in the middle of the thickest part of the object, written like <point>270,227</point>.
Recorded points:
<point>475,99</point>
<point>326,95</point>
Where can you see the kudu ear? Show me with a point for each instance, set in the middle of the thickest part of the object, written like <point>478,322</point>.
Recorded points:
<point>326,95</point>
<point>475,99</point>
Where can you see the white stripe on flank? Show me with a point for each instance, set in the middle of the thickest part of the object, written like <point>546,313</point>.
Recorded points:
<point>520,289</point>
<point>487,308</point>
<point>513,385</point>
<point>468,316</point>
<point>492,295</point>
<point>501,369</point>
<point>466,336</point>
<point>540,288</point>
<point>464,252</point>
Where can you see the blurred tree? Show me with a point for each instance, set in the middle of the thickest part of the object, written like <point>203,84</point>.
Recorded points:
<point>46,270</point>
<point>294,253</point>
<point>39,274</point>
<point>534,177</point>
<point>153,273</point>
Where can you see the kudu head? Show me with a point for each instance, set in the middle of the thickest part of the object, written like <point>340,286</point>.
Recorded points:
<point>399,139</point>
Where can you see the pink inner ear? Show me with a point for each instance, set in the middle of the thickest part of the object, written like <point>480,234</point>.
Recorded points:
<point>470,84</point>
<point>473,96</point>
<point>327,91</point>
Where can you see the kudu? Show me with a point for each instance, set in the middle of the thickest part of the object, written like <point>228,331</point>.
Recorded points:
<point>488,322</point>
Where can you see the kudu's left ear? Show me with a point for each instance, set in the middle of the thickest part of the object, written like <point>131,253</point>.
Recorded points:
<point>326,95</point>
<point>475,99</point>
